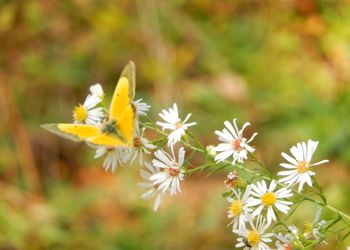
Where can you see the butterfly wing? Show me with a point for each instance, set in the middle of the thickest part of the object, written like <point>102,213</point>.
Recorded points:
<point>105,141</point>
<point>124,92</point>
<point>74,132</point>
<point>127,124</point>
<point>121,109</point>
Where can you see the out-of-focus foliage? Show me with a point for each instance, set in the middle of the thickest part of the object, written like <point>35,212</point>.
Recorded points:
<point>282,65</point>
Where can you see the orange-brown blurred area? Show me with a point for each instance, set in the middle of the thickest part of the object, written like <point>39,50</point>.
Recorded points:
<point>282,65</point>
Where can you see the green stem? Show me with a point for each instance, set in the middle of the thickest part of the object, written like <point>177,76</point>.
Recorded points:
<point>343,215</point>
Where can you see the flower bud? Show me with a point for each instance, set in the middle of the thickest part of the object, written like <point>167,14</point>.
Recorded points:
<point>211,150</point>
<point>231,179</point>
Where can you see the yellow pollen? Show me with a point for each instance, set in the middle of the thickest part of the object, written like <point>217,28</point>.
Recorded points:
<point>308,227</point>
<point>268,199</point>
<point>253,237</point>
<point>236,207</point>
<point>302,167</point>
<point>79,113</point>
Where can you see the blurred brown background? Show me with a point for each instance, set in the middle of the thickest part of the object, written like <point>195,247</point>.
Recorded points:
<point>282,65</point>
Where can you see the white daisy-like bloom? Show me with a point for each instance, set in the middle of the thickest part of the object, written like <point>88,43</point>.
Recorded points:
<point>171,174</point>
<point>254,237</point>
<point>115,157</point>
<point>141,107</point>
<point>269,198</point>
<point>312,230</point>
<point>88,113</point>
<point>239,209</point>
<point>299,164</point>
<point>141,146</point>
<point>97,90</point>
<point>152,190</point>
<point>234,144</point>
<point>174,123</point>
<point>289,240</point>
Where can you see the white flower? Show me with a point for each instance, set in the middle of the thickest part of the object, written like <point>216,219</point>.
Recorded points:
<point>88,113</point>
<point>238,209</point>
<point>141,107</point>
<point>174,123</point>
<point>152,190</point>
<point>313,229</point>
<point>267,197</point>
<point>289,240</point>
<point>255,237</point>
<point>115,157</point>
<point>234,144</point>
<point>299,165</point>
<point>172,174</point>
<point>97,90</point>
<point>141,146</point>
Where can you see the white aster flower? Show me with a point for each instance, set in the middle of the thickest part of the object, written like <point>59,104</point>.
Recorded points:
<point>289,240</point>
<point>141,107</point>
<point>254,237</point>
<point>269,198</point>
<point>174,123</point>
<point>239,209</point>
<point>234,144</point>
<point>312,230</point>
<point>299,164</point>
<point>172,174</point>
<point>115,157</point>
<point>141,146</point>
<point>97,90</point>
<point>88,113</point>
<point>152,190</point>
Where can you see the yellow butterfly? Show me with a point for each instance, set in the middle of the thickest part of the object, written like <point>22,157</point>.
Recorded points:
<point>118,128</point>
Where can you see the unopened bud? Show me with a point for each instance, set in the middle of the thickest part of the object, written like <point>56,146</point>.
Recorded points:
<point>231,179</point>
<point>211,150</point>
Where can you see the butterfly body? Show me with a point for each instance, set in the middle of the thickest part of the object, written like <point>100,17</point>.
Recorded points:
<point>110,127</point>
<point>117,129</point>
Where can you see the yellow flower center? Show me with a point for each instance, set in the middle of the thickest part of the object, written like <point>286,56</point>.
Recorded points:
<point>236,207</point>
<point>302,167</point>
<point>308,228</point>
<point>268,199</point>
<point>79,113</point>
<point>253,237</point>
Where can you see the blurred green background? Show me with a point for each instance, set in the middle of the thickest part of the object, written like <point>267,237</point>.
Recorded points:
<point>282,65</point>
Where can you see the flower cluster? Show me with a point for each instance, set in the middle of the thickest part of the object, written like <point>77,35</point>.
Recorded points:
<point>167,170</point>
<point>255,207</point>
<point>259,204</point>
